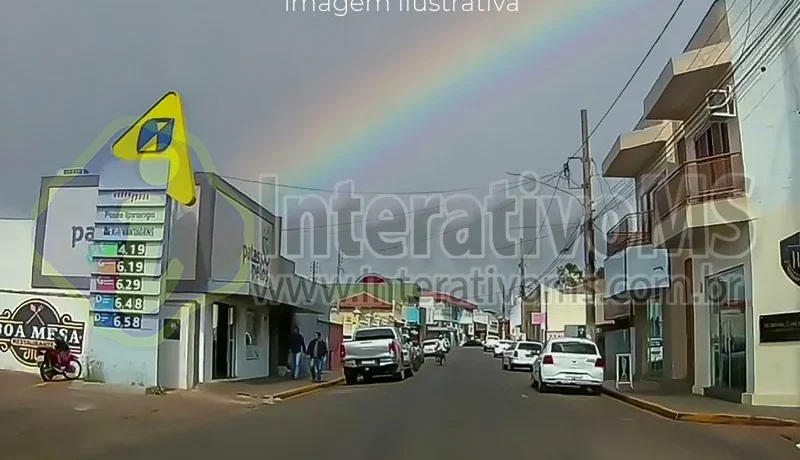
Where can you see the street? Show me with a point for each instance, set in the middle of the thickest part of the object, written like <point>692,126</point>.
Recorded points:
<point>467,409</point>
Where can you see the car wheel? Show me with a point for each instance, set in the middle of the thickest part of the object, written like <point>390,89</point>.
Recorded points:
<point>409,373</point>
<point>400,376</point>
<point>350,377</point>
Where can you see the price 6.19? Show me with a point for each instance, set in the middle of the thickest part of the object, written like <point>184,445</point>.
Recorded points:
<point>130,266</point>
<point>127,321</point>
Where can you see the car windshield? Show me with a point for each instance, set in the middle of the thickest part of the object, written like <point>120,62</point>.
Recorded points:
<point>529,346</point>
<point>373,334</point>
<point>577,348</point>
<point>506,342</point>
<point>491,337</point>
<point>429,342</point>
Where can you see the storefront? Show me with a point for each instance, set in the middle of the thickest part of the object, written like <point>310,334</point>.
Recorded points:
<point>229,299</point>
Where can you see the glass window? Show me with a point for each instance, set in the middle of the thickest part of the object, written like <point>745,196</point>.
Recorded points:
<point>374,334</point>
<point>251,334</point>
<point>578,348</point>
<point>171,330</point>
<point>655,338</point>
<point>529,346</point>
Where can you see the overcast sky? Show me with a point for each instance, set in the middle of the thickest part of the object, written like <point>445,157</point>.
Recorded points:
<point>397,102</point>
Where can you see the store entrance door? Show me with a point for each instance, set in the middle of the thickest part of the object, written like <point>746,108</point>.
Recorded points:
<point>728,337</point>
<point>224,346</point>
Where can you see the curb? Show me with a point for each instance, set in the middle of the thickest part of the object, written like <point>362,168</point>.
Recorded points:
<point>294,392</point>
<point>700,417</point>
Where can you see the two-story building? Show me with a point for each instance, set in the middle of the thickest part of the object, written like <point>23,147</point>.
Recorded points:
<point>448,315</point>
<point>714,159</point>
<point>373,300</point>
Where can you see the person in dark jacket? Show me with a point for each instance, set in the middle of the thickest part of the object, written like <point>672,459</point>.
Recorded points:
<point>317,351</point>
<point>297,346</point>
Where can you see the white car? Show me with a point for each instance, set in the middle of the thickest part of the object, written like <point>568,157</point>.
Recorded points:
<point>490,342</point>
<point>522,354</point>
<point>430,346</point>
<point>501,347</point>
<point>568,362</point>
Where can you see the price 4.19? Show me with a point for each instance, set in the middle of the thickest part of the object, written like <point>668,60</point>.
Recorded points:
<point>130,266</point>
<point>128,284</point>
<point>131,249</point>
<point>129,302</point>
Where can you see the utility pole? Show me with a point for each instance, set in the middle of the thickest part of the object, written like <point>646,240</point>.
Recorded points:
<point>314,265</point>
<point>588,233</point>
<point>339,267</point>
<point>521,288</point>
<point>503,309</point>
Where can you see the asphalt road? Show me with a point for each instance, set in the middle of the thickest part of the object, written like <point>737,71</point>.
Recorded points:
<point>467,409</point>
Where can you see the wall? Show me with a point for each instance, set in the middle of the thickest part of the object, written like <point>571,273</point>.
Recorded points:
<point>242,243</point>
<point>28,321</point>
<point>563,309</point>
<point>770,129</point>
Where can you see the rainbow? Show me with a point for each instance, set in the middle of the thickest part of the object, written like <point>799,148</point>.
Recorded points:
<point>486,57</point>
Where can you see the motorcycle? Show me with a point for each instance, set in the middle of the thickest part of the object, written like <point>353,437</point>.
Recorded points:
<point>52,363</point>
<point>440,358</point>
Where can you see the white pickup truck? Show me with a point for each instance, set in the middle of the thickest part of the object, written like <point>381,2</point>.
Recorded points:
<point>376,351</point>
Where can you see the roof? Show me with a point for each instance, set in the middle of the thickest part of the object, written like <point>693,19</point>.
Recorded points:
<point>447,298</point>
<point>389,290</point>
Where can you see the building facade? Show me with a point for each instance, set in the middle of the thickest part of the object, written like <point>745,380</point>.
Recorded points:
<point>230,298</point>
<point>713,160</point>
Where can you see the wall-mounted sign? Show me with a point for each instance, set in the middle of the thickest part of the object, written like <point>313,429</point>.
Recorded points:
<point>127,302</point>
<point>128,267</point>
<point>133,198</point>
<point>117,320</point>
<point>129,249</point>
<point>131,215</point>
<point>128,232</point>
<point>33,324</point>
<point>127,285</point>
<point>790,257</point>
<point>780,327</point>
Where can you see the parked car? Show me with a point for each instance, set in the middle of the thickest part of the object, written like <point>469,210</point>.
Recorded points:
<point>521,354</point>
<point>501,347</point>
<point>376,351</point>
<point>429,347</point>
<point>473,342</point>
<point>490,342</point>
<point>568,362</point>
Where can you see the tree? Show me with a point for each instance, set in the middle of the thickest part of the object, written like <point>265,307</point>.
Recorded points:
<point>569,276</point>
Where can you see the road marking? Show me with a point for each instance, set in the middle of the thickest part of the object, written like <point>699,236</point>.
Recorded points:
<point>797,445</point>
<point>42,384</point>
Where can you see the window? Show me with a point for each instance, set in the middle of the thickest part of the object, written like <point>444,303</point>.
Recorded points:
<point>251,334</point>
<point>577,348</point>
<point>374,334</point>
<point>171,330</point>
<point>713,141</point>
<point>529,346</point>
<point>680,151</point>
<point>655,341</point>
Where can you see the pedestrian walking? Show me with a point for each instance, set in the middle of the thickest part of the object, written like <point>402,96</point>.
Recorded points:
<point>297,347</point>
<point>317,351</point>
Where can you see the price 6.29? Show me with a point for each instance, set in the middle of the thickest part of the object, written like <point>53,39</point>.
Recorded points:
<point>127,321</point>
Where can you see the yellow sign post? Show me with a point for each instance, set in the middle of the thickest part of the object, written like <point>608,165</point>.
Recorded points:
<point>158,134</point>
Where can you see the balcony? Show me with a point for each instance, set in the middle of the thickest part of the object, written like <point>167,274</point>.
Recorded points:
<point>632,230</point>
<point>685,82</point>
<point>632,151</point>
<point>699,194</point>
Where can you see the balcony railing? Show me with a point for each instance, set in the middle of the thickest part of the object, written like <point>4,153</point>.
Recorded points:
<point>711,178</point>
<point>632,230</point>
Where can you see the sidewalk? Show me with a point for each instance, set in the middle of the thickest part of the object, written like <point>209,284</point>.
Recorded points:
<point>96,416</point>
<point>700,409</point>
<point>266,388</point>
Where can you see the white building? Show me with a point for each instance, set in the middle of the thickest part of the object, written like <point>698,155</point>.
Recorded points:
<point>715,159</point>
<point>231,302</point>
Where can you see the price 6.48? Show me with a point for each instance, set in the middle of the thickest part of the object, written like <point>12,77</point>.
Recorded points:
<point>129,302</point>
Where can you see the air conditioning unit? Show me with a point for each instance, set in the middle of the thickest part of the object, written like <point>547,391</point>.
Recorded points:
<point>721,104</point>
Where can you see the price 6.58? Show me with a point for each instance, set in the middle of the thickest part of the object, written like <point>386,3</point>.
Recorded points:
<point>127,321</point>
